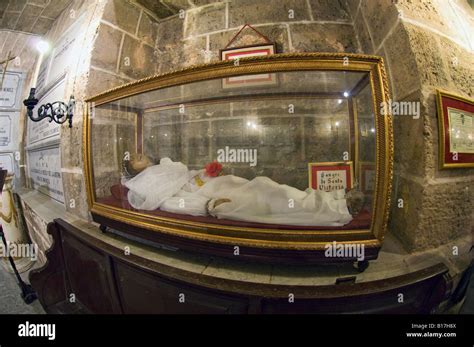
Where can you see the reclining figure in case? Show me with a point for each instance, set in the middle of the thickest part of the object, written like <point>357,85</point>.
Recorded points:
<point>171,187</point>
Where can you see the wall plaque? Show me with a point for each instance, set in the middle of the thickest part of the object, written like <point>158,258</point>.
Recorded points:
<point>10,91</point>
<point>44,168</point>
<point>44,131</point>
<point>43,75</point>
<point>6,162</point>
<point>5,129</point>
<point>456,131</point>
<point>62,57</point>
<point>9,125</point>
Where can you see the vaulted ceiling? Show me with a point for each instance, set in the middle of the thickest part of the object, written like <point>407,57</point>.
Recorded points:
<point>30,16</point>
<point>22,22</point>
<point>160,9</point>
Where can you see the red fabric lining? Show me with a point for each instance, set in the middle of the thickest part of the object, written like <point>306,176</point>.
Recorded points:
<point>119,199</point>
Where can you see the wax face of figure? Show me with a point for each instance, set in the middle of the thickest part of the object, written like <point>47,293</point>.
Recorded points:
<point>171,187</point>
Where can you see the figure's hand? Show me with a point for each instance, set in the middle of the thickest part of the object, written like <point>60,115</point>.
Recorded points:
<point>221,201</point>
<point>213,203</point>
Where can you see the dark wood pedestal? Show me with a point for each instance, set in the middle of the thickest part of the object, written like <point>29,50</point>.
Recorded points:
<point>89,272</point>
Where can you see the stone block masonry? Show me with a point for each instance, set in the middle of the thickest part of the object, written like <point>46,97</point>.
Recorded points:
<point>424,44</point>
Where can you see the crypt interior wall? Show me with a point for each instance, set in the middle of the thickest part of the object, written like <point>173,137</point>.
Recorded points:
<point>425,46</point>
<point>124,42</point>
<point>124,52</point>
<point>39,210</point>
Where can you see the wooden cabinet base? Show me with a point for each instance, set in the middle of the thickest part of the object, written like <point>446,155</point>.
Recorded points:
<point>261,255</point>
<point>103,279</point>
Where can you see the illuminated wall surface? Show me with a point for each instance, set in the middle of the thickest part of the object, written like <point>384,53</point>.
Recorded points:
<point>97,45</point>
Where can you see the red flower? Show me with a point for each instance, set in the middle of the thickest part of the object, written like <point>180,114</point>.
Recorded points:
<point>213,169</point>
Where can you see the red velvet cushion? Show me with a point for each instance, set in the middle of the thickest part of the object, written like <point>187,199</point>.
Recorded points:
<point>361,221</point>
<point>119,192</point>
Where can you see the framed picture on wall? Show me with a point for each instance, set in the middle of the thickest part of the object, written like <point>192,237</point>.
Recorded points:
<point>456,131</point>
<point>248,80</point>
<point>329,176</point>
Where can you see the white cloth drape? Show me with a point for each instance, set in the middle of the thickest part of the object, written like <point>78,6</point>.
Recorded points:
<point>261,200</point>
<point>151,187</point>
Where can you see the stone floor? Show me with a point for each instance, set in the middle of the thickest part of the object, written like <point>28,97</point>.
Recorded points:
<point>10,299</point>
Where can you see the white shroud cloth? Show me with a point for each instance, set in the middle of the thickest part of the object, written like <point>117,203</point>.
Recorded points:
<point>261,200</point>
<point>151,187</point>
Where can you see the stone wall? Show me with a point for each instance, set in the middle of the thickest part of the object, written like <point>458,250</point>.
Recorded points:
<point>294,25</point>
<point>22,22</point>
<point>70,140</point>
<point>426,46</point>
<point>17,39</point>
<point>285,142</point>
<point>132,45</point>
<point>124,50</point>
<point>422,46</point>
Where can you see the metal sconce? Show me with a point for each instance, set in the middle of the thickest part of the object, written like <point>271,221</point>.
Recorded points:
<point>58,111</point>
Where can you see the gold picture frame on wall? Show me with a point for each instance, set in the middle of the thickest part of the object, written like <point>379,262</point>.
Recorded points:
<point>456,130</point>
<point>298,245</point>
<point>248,81</point>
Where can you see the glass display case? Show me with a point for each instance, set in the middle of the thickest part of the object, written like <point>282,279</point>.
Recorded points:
<point>275,158</point>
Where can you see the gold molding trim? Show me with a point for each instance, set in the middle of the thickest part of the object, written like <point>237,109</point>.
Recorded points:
<point>255,237</point>
<point>249,65</point>
<point>242,239</point>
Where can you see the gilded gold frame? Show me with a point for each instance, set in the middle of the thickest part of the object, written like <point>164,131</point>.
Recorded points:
<point>442,130</point>
<point>249,236</point>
